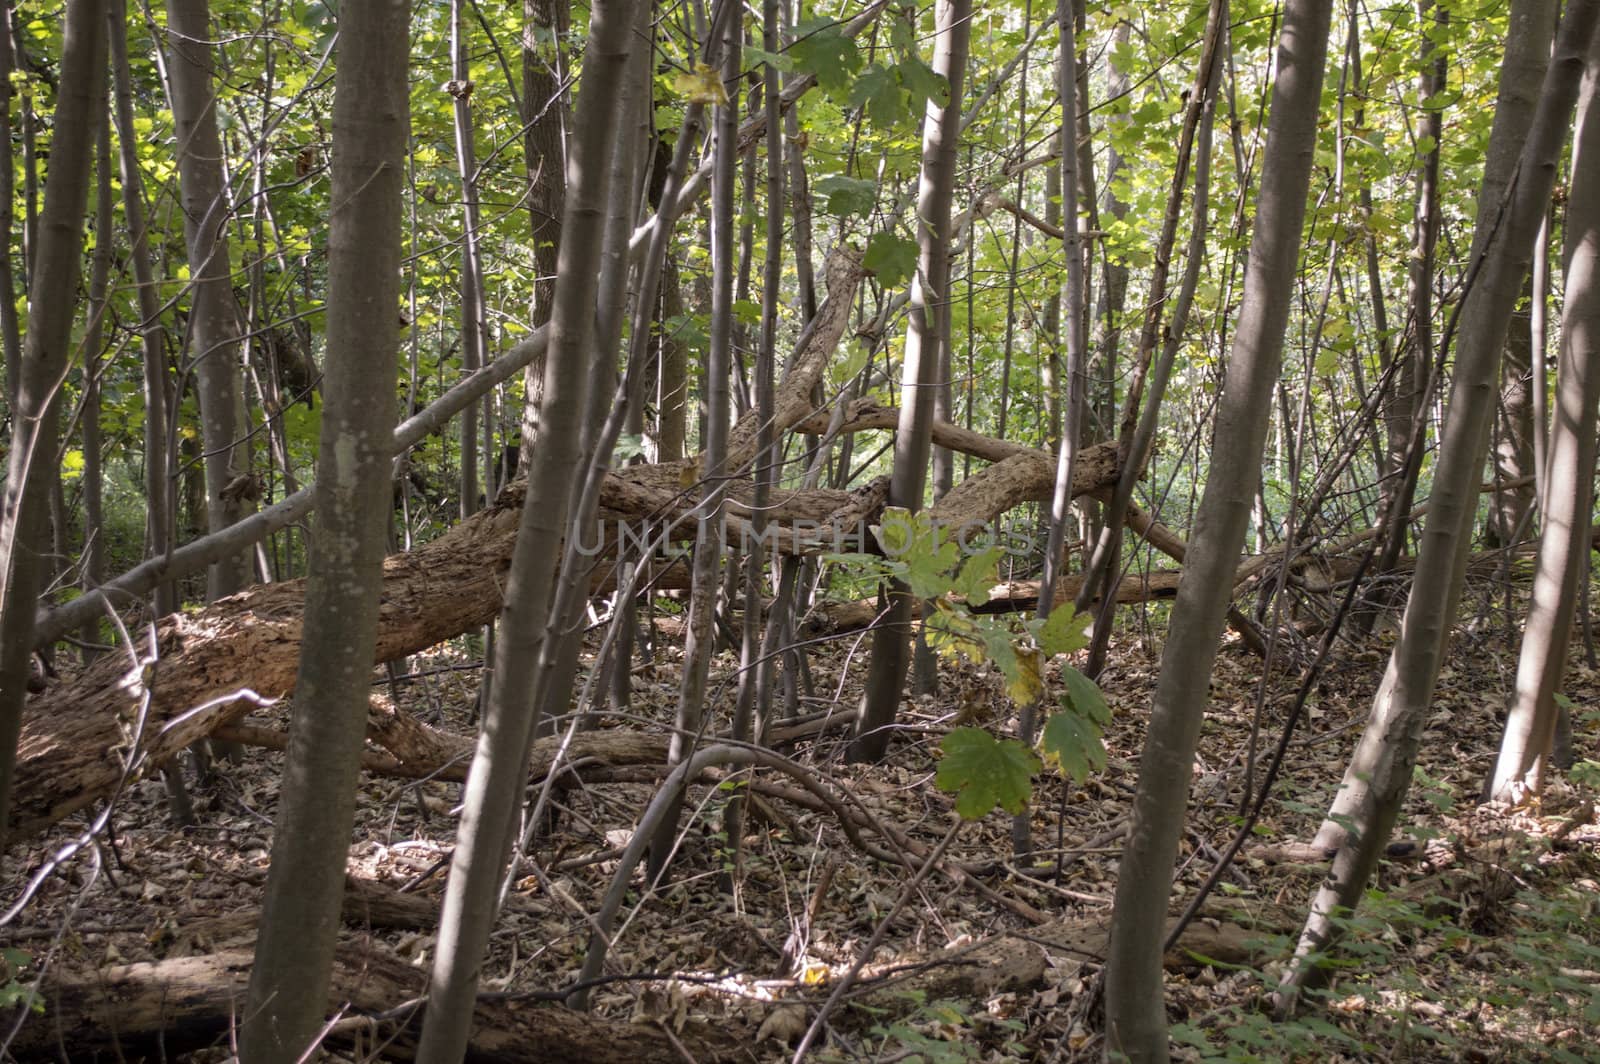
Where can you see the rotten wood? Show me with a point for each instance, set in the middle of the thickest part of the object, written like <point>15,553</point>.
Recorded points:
<point>184,1004</point>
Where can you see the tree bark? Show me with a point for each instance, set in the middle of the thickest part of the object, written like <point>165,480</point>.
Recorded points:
<point>1564,545</point>
<point>214,312</point>
<point>45,361</point>
<point>10,329</point>
<point>157,400</point>
<point>1379,773</point>
<point>1135,1015</point>
<point>930,296</point>
<point>183,1004</point>
<point>495,783</point>
<point>544,23</point>
<point>700,639</point>
<point>311,833</point>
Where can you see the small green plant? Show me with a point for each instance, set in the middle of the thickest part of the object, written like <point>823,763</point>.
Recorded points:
<point>938,1032</point>
<point>13,991</point>
<point>954,576</point>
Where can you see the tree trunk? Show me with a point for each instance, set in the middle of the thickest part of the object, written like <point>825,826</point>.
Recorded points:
<point>1513,430</point>
<point>45,355</point>
<point>544,103</point>
<point>10,330</point>
<point>214,312</point>
<point>1135,1015</point>
<point>181,1004</point>
<point>700,638</point>
<point>94,547</point>
<point>930,297</point>
<point>1564,545</point>
<point>1067,447</point>
<point>1517,183</point>
<point>157,401</point>
<point>495,783</point>
<point>311,833</point>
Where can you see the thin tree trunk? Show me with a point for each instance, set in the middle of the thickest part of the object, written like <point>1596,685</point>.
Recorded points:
<point>672,423</point>
<point>607,405</point>
<point>29,122</point>
<point>1067,451</point>
<point>1379,773</point>
<point>287,997</point>
<point>1135,1015</point>
<point>214,312</point>
<point>930,297</point>
<point>1564,546</point>
<point>754,701</point>
<point>1512,449</point>
<point>157,484</point>
<point>1519,108</point>
<point>45,362</point>
<point>544,23</point>
<point>1539,324</point>
<point>94,547</point>
<point>499,762</point>
<point>471,281</point>
<point>1136,433</point>
<point>1411,381</point>
<point>10,331</point>
<point>700,639</point>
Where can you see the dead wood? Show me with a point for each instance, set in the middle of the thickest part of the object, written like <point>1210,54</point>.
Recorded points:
<point>413,750</point>
<point>187,1003</point>
<point>211,667</point>
<point>1014,596</point>
<point>973,972</point>
<point>216,664</point>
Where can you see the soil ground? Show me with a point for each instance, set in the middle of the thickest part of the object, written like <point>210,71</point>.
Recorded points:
<point>1479,945</point>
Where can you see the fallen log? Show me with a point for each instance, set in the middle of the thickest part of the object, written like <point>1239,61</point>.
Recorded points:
<point>214,665</point>
<point>188,1003</point>
<point>1013,596</point>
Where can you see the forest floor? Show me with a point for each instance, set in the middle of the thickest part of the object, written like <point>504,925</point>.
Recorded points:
<point>1482,944</point>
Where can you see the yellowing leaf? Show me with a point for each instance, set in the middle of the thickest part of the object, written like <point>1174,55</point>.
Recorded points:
<point>1027,683</point>
<point>700,85</point>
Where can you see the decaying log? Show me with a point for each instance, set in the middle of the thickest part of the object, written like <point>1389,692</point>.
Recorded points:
<point>213,666</point>
<point>366,905</point>
<point>1014,596</point>
<point>412,750</point>
<point>974,972</point>
<point>188,1003</point>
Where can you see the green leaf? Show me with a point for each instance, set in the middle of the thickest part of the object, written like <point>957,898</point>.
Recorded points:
<point>928,564</point>
<point>747,311</point>
<point>822,49</point>
<point>983,772</point>
<point>892,258</point>
<point>895,532</point>
<point>1072,743</point>
<point>629,446</point>
<point>953,634</point>
<point>923,83</point>
<point>979,573</point>
<point>1026,683</point>
<point>878,91</point>
<point>1085,696</point>
<point>1063,632</point>
<point>1327,364</point>
<point>776,60</point>
<point>848,195</point>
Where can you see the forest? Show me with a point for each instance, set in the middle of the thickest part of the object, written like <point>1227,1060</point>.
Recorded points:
<point>838,530</point>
